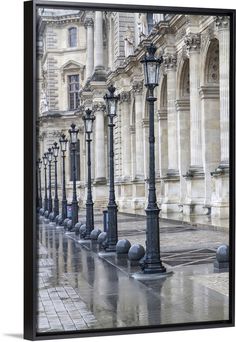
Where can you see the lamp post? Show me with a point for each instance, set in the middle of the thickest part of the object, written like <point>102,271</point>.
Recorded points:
<point>63,142</point>
<point>49,155</point>
<point>152,260</point>
<point>73,140</point>
<point>45,162</point>
<point>89,118</point>
<point>55,149</point>
<point>112,235</point>
<point>39,165</point>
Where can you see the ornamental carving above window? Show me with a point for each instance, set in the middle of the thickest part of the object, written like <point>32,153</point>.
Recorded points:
<point>213,63</point>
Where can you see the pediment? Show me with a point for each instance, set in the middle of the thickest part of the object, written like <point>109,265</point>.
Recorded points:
<point>70,65</point>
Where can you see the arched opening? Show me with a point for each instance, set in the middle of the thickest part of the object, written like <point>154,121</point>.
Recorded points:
<point>210,102</point>
<point>162,127</point>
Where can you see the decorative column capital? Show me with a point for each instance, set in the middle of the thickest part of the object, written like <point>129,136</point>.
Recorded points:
<point>137,87</point>
<point>193,42</point>
<point>88,23</point>
<point>222,22</point>
<point>170,61</point>
<point>124,96</point>
<point>99,106</point>
<point>80,110</point>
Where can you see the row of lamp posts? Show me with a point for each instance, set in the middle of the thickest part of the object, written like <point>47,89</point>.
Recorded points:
<point>152,261</point>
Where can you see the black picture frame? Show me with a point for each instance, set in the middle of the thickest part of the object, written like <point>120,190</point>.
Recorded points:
<point>30,234</point>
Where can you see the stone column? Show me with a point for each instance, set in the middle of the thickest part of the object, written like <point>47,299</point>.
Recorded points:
<point>183,114</point>
<point>125,134</point>
<point>192,42</point>
<point>163,141</point>
<point>99,144</point>
<point>224,49</point>
<point>170,61</point>
<point>90,47</point>
<point>98,40</point>
<point>138,89</point>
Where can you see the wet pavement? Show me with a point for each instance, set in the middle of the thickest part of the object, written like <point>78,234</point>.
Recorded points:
<point>79,290</point>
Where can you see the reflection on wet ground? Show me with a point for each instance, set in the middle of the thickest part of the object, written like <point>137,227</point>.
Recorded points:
<point>78,290</point>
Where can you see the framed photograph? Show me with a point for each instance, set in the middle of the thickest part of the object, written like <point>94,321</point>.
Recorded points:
<point>129,169</point>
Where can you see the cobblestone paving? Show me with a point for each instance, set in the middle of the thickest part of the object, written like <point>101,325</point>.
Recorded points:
<point>60,308</point>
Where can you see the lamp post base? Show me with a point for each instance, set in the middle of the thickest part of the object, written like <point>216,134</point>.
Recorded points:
<point>153,267</point>
<point>112,237</point>
<point>75,210</point>
<point>89,220</point>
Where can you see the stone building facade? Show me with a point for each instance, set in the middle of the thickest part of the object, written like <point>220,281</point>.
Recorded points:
<point>81,52</point>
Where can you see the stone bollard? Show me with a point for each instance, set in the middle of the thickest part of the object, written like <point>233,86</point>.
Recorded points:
<point>57,218</point>
<point>82,231</point>
<point>69,225</point>
<point>65,222</point>
<point>221,264</point>
<point>122,247</point>
<point>102,238</point>
<point>77,227</point>
<point>94,234</point>
<point>135,254</point>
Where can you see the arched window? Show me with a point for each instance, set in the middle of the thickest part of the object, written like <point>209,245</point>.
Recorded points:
<point>77,162</point>
<point>72,37</point>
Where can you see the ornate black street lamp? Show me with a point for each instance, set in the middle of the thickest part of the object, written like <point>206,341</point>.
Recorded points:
<point>112,235</point>
<point>152,260</point>
<point>63,142</point>
<point>89,118</point>
<point>39,166</point>
<point>49,155</point>
<point>73,140</point>
<point>45,162</point>
<point>55,149</point>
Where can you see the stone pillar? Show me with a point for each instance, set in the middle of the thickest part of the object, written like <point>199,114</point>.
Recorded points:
<point>192,42</point>
<point>125,135</point>
<point>98,40</point>
<point>171,180</point>
<point>99,144</point>
<point>220,177</point>
<point>211,135</point>
<point>163,142</point>
<point>195,195</point>
<point>90,47</point>
<point>170,61</point>
<point>183,114</point>
<point>224,49</point>
<point>138,89</point>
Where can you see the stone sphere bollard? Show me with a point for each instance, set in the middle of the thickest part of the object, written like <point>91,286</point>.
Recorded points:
<point>60,221</point>
<point>102,238</point>
<point>82,231</point>
<point>136,252</point>
<point>123,246</point>
<point>46,213</point>
<point>222,253</point>
<point>221,263</point>
<point>51,216</point>
<point>69,225</point>
<point>57,218</point>
<point>77,227</point>
<point>94,234</point>
<point>65,222</point>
